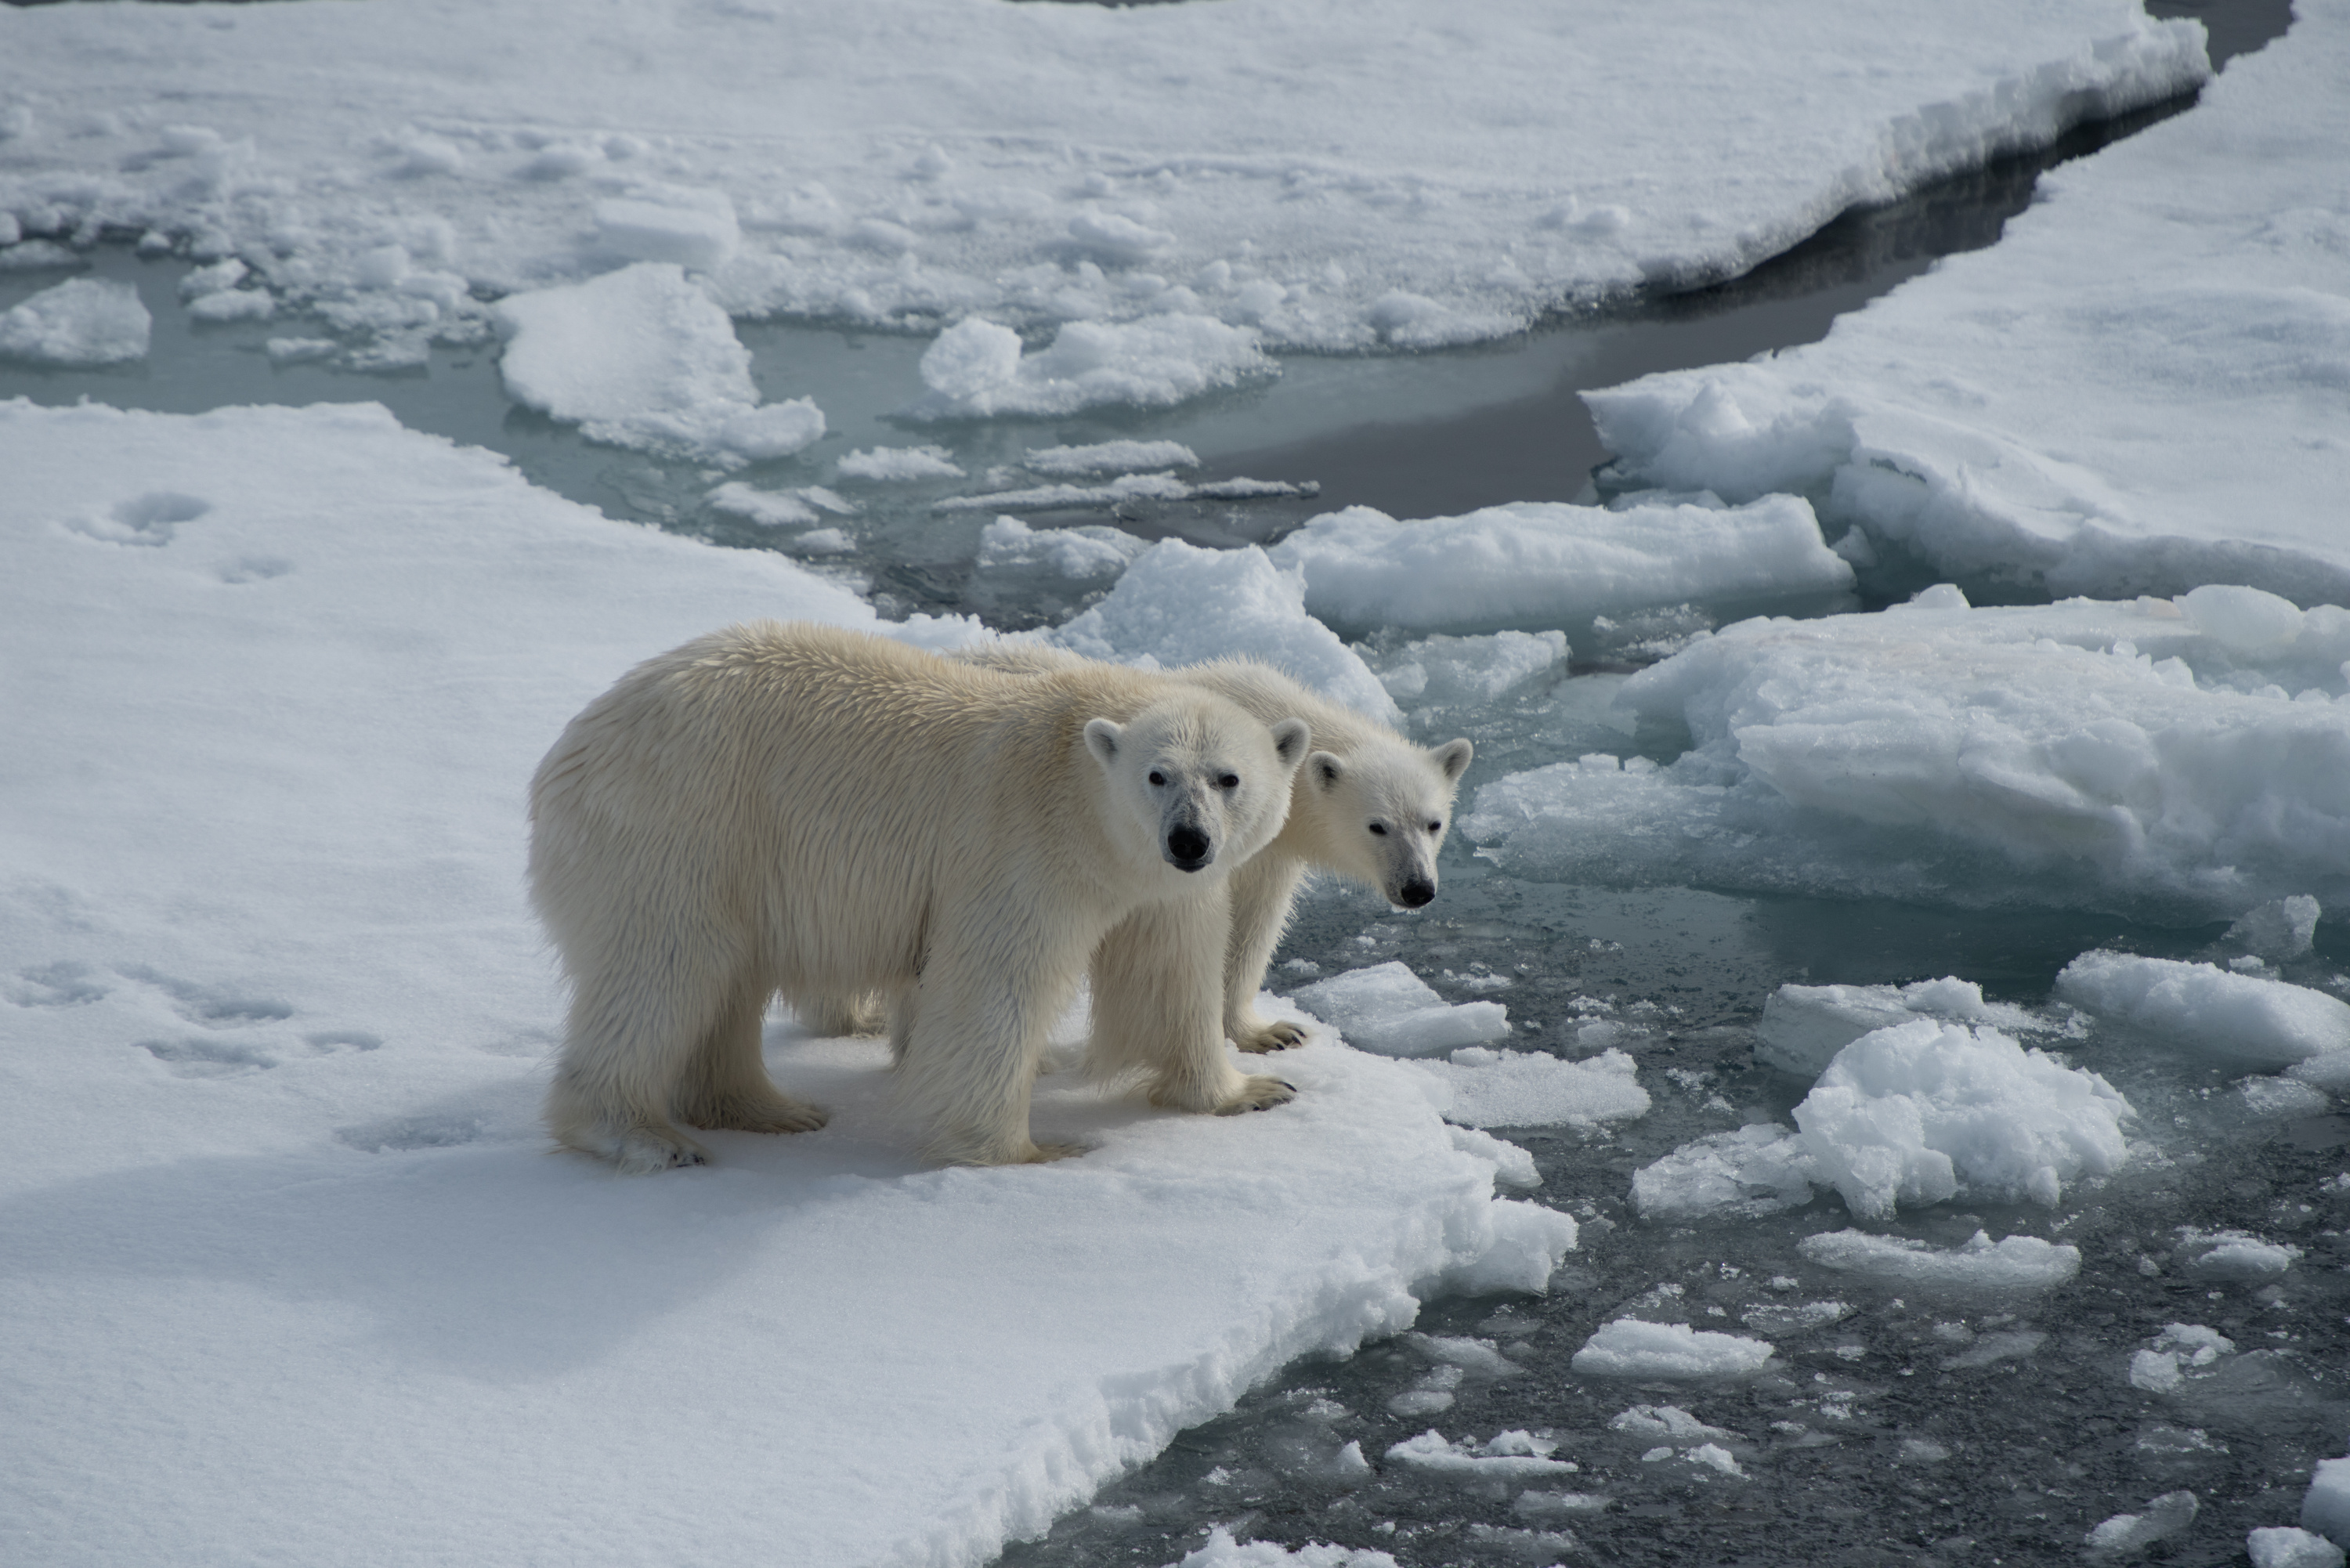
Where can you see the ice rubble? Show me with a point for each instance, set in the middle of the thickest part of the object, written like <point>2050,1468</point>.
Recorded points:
<point>2144,386</point>
<point>1223,1550</point>
<point>278,1016</point>
<point>1298,166</point>
<point>1547,563</point>
<point>978,370</point>
<point>642,358</point>
<point>1630,1347</point>
<point>1913,1113</point>
<point>1387,1008</point>
<point>2244,1020</point>
<point>2013,1262</point>
<point>1804,1026</point>
<point>2185,753</point>
<point>2283,1546</point>
<point>81,321</point>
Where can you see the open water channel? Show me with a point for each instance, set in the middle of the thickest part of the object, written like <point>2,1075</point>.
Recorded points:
<point>1904,1427</point>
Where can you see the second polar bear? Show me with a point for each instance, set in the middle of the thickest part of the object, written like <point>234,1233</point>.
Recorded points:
<point>1368,805</point>
<point>811,811</point>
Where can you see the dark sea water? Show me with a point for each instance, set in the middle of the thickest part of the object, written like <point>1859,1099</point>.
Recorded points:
<point>1874,1438</point>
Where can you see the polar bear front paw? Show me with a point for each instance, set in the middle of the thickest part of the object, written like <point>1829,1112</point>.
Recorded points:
<point>1258,1093</point>
<point>1257,1038</point>
<point>647,1150</point>
<point>759,1114</point>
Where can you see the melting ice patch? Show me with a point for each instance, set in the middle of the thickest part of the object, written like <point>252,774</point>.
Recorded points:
<point>1482,1088</point>
<point>2241,1018</point>
<point>642,357</point>
<point>1804,1026</point>
<point>2013,1262</point>
<point>1388,1009</point>
<point>2080,754</point>
<point>1628,1347</point>
<point>979,370</point>
<point>1535,564</point>
<point>82,321</point>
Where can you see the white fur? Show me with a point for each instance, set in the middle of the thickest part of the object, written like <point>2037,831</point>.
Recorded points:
<point>822,813</point>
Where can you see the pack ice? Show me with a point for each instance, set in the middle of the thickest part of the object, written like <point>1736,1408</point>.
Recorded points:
<point>276,1013</point>
<point>1301,169</point>
<point>2184,755</point>
<point>2145,385</point>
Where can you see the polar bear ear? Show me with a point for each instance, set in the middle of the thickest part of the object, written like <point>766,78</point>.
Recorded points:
<point>1101,740</point>
<point>1327,769</point>
<point>1453,758</point>
<point>1290,739</point>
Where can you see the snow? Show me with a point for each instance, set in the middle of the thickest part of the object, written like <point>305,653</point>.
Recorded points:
<point>1178,604</point>
<point>978,370</point>
<point>1922,1111</point>
<point>1628,1347</point>
<point>1547,564</point>
<point>1336,176</point>
<point>2237,1020</point>
<point>81,321</point>
<point>279,1017</point>
<point>2081,754</point>
<point>2283,1546</point>
<point>1804,1026</point>
<point>1387,1009</point>
<point>2145,385</point>
<point>642,357</point>
<point>2014,1263</point>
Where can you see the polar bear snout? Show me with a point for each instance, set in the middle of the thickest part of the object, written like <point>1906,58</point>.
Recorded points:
<point>1187,848</point>
<point>1419,890</point>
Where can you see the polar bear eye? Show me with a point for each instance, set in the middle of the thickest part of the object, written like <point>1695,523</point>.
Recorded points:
<point>1380,828</point>
<point>1436,827</point>
<point>1157,777</point>
<point>1228,781</point>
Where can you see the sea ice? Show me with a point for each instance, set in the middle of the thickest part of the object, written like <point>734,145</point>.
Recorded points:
<point>2181,1351</point>
<point>2015,1263</point>
<point>1108,457</point>
<point>1387,1009</point>
<point>1510,1457</point>
<point>279,677</point>
<point>1223,1550</point>
<point>2281,928</point>
<point>1484,1088</point>
<point>81,321</point>
<point>642,357</point>
<point>1077,165</point>
<point>1442,671</point>
<point>1804,1026</point>
<point>2325,1508</point>
<point>1178,604</point>
<point>2283,1546</point>
<point>2127,1535</point>
<point>1740,1175</point>
<point>977,369</point>
<point>2238,1019</point>
<point>1547,564</point>
<point>1628,1347</point>
<point>1667,1421</point>
<point>2145,385</point>
<point>899,464</point>
<point>1094,552</point>
<point>2082,754</point>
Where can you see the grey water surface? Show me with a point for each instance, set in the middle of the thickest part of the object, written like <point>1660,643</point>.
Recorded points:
<point>1905,1428</point>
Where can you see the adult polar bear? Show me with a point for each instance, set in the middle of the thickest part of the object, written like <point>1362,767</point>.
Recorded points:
<point>814,811</point>
<point>1368,805</point>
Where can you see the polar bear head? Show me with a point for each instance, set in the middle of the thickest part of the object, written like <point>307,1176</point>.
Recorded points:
<point>1384,812</point>
<point>1202,780</point>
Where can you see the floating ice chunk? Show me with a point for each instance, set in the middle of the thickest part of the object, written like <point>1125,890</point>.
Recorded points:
<point>2016,1263</point>
<point>900,464</point>
<point>1547,564</point>
<point>81,321</point>
<point>1445,670</point>
<point>2281,928</point>
<point>768,508</point>
<point>2283,1546</point>
<point>2330,1071</point>
<point>823,542</point>
<point>2076,753</point>
<point>1773,1321</point>
<point>1628,1347</point>
<point>1667,1421</point>
<point>1387,1009</point>
<point>2127,1535</point>
<point>2237,1254</point>
<point>2233,1018</point>
<point>976,369</point>
<point>1555,1504</point>
<point>1713,1456</point>
<point>2013,1345</point>
<point>1752,1171</point>
<point>1919,1111</point>
<point>1510,1457</point>
<point>1224,1552</point>
<point>2248,622</point>
<point>1090,552</point>
<point>2325,1508</point>
<point>1117,240</point>
<point>642,357</point>
<point>1485,1089</point>
<point>1804,1026</point>
<point>2181,1350</point>
<point>1108,457</point>
<point>694,229</point>
<point>233,305</point>
<point>1179,604</point>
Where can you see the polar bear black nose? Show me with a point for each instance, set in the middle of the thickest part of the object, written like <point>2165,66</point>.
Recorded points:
<point>1416,892</point>
<point>1187,848</point>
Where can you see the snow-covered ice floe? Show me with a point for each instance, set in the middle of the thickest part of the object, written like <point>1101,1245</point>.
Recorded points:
<point>2184,755</point>
<point>2144,386</point>
<point>2013,1262</point>
<point>1387,1008</point>
<point>1630,1347</point>
<point>1804,1026</point>
<point>81,321</point>
<point>276,1015</point>
<point>1912,1114</point>
<point>1035,164</point>
<point>2244,1020</point>
<point>978,370</point>
<point>1547,564</point>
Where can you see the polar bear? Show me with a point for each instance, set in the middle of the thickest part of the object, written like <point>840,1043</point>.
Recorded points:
<point>1368,805</point>
<point>807,811</point>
